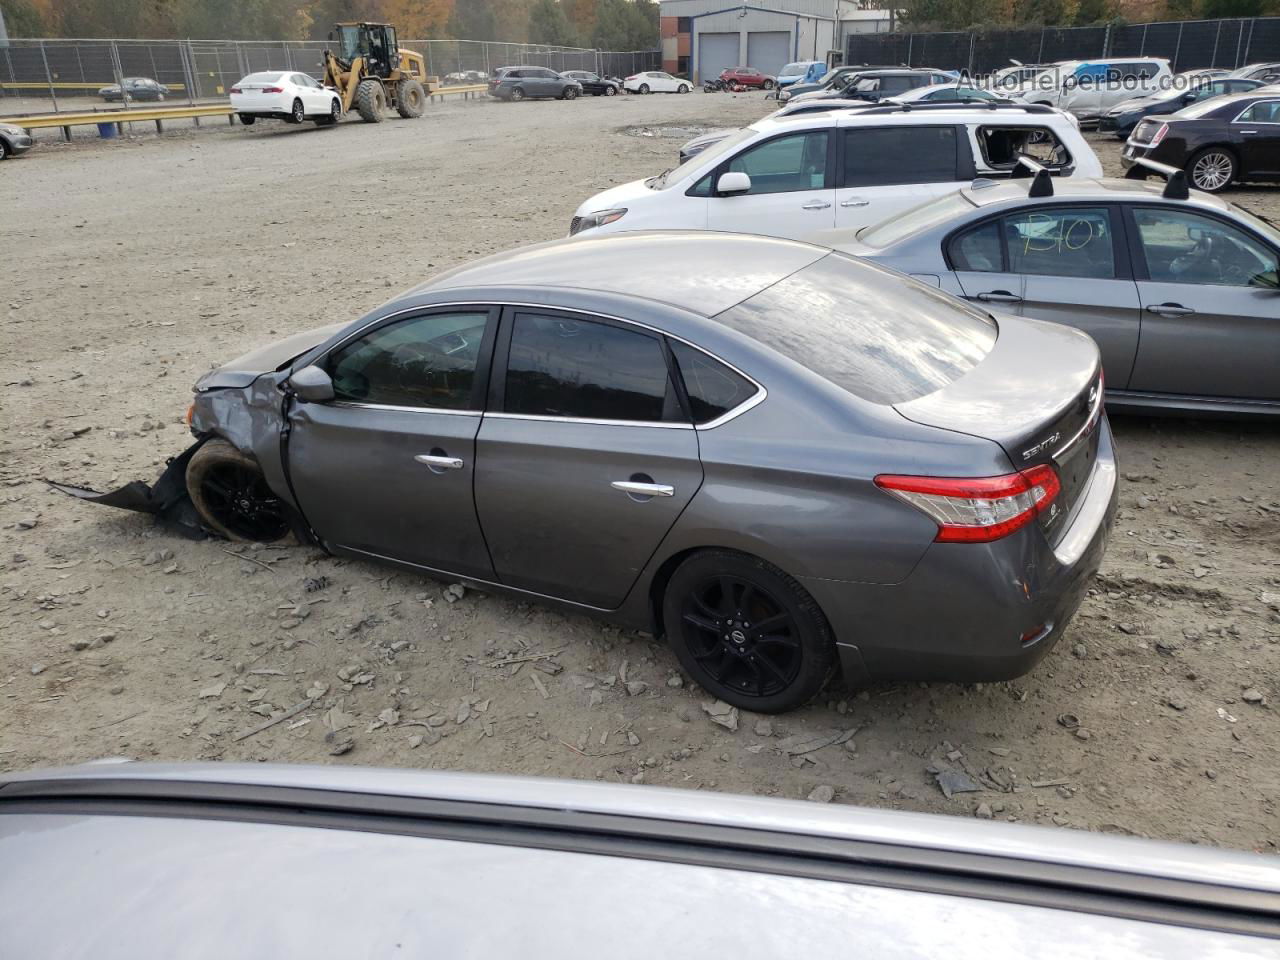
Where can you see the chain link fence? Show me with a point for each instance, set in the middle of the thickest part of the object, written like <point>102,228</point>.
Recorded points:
<point>1187,44</point>
<point>50,76</point>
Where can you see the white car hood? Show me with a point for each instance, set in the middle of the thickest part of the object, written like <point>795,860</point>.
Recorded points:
<point>620,196</point>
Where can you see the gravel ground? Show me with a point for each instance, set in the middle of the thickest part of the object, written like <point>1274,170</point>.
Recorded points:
<point>133,266</point>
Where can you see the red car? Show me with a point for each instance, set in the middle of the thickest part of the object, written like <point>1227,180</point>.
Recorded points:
<point>748,77</point>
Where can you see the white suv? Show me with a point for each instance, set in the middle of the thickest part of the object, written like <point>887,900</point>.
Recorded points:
<point>1089,88</point>
<point>793,175</point>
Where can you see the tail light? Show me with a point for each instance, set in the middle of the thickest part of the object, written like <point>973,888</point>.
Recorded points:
<point>1160,134</point>
<point>272,90</point>
<point>978,509</point>
<point>235,90</point>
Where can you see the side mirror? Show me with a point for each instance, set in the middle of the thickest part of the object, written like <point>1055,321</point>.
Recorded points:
<point>1188,97</point>
<point>311,385</point>
<point>734,181</point>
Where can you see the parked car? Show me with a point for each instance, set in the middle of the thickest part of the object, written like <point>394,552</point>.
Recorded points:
<point>748,77</point>
<point>1217,142</point>
<point>1264,72</point>
<point>599,425</point>
<point>1010,80</point>
<point>877,85</point>
<point>655,81</point>
<point>802,71</point>
<point>593,83</point>
<point>947,91</point>
<point>521,83</point>
<point>162,850</point>
<point>292,97</point>
<point>790,175</point>
<point>831,79</point>
<point>1090,88</point>
<point>138,88</point>
<point>1179,290</point>
<point>1124,116</point>
<point>14,141</point>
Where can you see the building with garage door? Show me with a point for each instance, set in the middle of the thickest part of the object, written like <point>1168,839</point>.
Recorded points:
<point>700,38</point>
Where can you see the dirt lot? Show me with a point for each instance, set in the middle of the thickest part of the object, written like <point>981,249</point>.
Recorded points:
<point>133,266</point>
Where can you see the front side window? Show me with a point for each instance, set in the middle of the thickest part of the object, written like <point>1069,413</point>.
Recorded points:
<point>1070,242</point>
<point>785,164</point>
<point>1182,247</point>
<point>426,361</point>
<point>713,388</point>
<point>568,367</point>
<point>893,155</point>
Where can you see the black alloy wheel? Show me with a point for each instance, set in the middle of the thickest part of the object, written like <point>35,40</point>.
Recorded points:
<point>239,499</point>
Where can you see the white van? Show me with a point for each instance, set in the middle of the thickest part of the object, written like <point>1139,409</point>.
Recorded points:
<point>1088,88</point>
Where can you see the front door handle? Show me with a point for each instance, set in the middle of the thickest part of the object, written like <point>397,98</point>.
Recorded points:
<point>440,463</point>
<point>999,296</point>
<point>816,205</point>
<point>855,202</point>
<point>1169,309</point>
<point>1248,131</point>
<point>644,489</point>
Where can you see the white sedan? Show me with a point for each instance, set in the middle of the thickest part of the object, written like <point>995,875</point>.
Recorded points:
<point>292,97</point>
<point>655,82</point>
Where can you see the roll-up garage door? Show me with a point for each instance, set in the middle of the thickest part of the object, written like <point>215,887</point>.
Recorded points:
<point>717,52</point>
<point>768,52</point>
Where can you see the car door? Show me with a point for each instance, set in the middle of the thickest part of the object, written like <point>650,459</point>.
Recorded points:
<point>792,187</point>
<point>976,256</point>
<point>886,170</point>
<point>310,93</point>
<point>1075,268</point>
<point>588,459</point>
<point>1257,131</point>
<point>1211,311</point>
<point>386,468</point>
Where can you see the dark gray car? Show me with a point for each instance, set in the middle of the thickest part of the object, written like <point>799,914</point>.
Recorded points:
<point>785,459</point>
<point>521,83</point>
<point>249,861</point>
<point>1181,295</point>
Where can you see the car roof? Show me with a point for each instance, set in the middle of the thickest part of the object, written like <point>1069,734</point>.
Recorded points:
<point>1072,850</point>
<point>702,272</point>
<point>1107,190</point>
<point>1243,98</point>
<point>845,113</point>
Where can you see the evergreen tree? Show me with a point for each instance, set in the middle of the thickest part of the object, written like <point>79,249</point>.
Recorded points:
<point>548,24</point>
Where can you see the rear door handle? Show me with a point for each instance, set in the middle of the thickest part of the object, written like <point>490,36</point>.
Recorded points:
<point>999,296</point>
<point>1248,131</point>
<point>854,202</point>
<point>644,489</point>
<point>816,205</point>
<point>440,463</point>
<point>1169,309</point>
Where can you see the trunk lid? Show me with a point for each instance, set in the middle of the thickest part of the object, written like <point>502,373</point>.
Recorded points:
<point>1038,394</point>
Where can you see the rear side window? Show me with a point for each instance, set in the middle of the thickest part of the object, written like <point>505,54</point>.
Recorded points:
<point>1267,111</point>
<point>877,334</point>
<point>712,387</point>
<point>1071,242</point>
<point>979,249</point>
<point>568,367</point>
<point>891,155</point>
<point>1002,145</point>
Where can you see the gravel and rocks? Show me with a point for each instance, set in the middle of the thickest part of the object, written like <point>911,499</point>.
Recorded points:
<point>281,653</point>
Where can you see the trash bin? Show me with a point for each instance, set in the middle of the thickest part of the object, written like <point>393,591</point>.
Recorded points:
<point>107,131</point>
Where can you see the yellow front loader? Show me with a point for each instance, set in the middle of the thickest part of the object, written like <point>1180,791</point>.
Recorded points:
<point>371,72</point>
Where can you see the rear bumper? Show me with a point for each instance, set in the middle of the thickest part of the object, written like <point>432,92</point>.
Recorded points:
<point>975,612</point>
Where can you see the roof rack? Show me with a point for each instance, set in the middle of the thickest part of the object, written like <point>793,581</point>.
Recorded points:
<point>994,105</point>
<point>1175,187</point>
<point>1041,179</point>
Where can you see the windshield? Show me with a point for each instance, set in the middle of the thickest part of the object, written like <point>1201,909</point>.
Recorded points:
<point>918,218</point>
<point>794,69</point>
<point>1264,225</point>
<point>261,78</point>
<point>713,152</point>
<point>348,42</point>
<point>1201,108</point>
<point>873,332</point>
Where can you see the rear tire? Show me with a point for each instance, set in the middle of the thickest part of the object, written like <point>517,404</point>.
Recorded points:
<point>247,119</point>
<point>371,101</point>
<point>517,93</point>
<point>747,632</point>
<point>1212,170</point>
<point>297,114</point>
<point>411,99</point>
<point>4,150</point>
<point>230,495</point>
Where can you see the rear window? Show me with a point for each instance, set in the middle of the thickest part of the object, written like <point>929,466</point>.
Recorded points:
<point>262,78</point>
<point>879,335</point>
<point>926,215</point>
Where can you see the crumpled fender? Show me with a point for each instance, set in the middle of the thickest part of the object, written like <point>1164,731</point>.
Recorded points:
<point>166,499</point>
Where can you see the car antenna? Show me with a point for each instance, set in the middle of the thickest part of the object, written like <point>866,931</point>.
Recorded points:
<point>1042,180</point>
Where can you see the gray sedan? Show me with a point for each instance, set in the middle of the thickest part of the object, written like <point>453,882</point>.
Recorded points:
<point>216,861</point>
<point>786,460</point>
<point>1181,294</point>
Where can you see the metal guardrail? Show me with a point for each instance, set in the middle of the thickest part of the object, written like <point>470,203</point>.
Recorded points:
<point>120,117</point>
<point>466,91</point>
<point>58,85</point>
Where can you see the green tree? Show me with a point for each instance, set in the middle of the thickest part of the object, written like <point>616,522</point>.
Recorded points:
<point>548,24</point>
<point>1212,9</point>
<point>1049,13</point>
<point>474,20</point>
<point>1093,11</point>
<point>23,19</point>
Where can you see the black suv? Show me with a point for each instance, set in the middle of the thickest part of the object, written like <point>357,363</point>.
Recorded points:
<point>517,83</point>
<point>1217,142</point>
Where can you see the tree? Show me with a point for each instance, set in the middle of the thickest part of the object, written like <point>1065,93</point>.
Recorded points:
<point>548,24</point>
<point>418,19</point>
<point>582,15</point>
<point>22,18</point>
<point>473,20</point>
<point>625,25</point>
